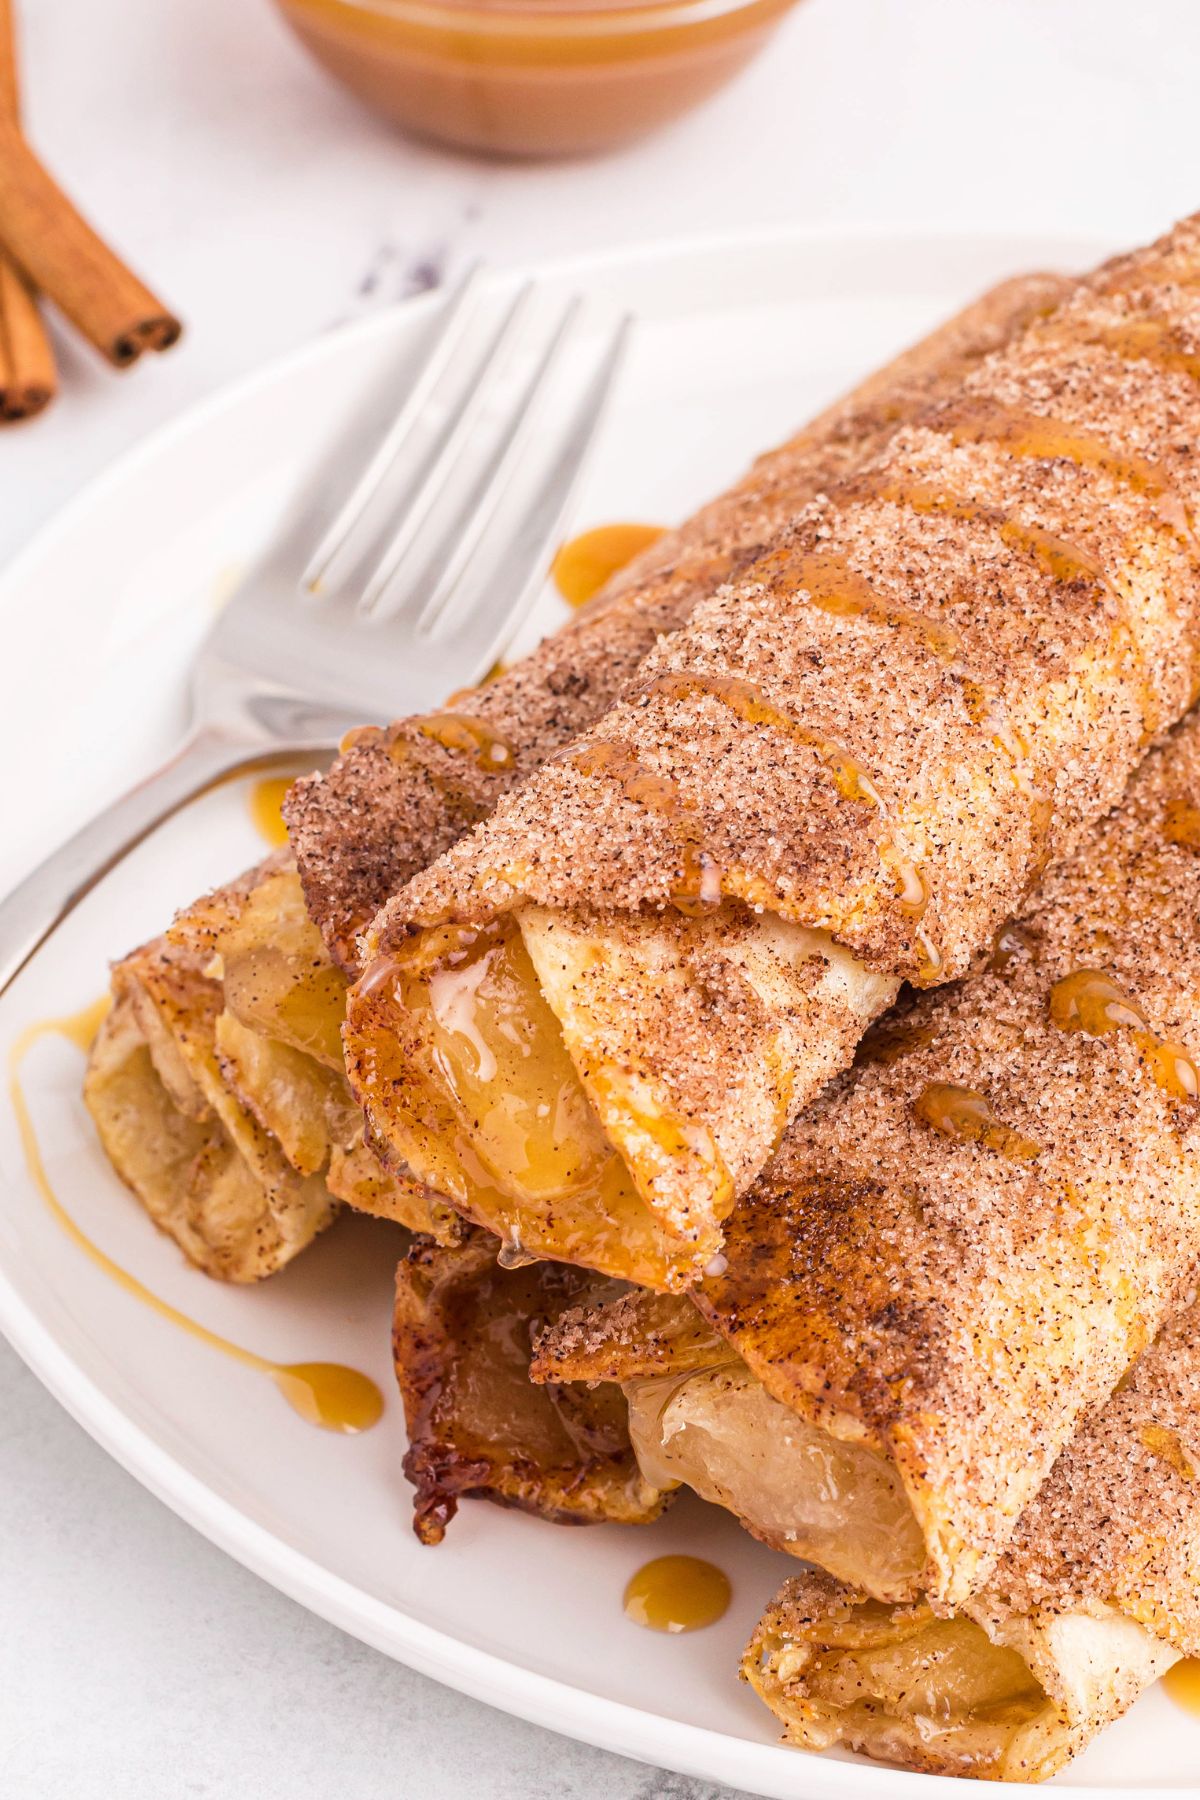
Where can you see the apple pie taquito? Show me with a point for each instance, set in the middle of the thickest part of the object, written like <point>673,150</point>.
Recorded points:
<point>1096,1596</point>
<point>396,798</point>
<point>236,1176</point>
<point>962,1245</point>
<point>591,1020</point>
<point>217,1087</point>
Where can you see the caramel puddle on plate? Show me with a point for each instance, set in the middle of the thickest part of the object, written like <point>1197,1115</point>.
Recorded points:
<point>266,801</point>
<point>583,565</point>
<point>677,1593</point>
<point>325,1394</point>
<point>1182,1682</point>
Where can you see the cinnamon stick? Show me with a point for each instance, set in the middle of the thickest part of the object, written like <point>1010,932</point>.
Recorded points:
<point>53,244</point>
<point>28,378</point>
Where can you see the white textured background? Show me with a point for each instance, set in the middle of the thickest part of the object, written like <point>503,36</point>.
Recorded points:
<point>137,1662</point>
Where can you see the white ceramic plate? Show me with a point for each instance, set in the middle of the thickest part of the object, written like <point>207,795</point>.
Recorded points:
<point>738,342</point>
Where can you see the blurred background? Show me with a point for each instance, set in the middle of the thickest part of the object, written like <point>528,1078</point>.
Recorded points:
<point>270,206</point>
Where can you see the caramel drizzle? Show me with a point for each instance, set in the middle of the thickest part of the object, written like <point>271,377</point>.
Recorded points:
<point>1089,1001</point>
<point>1011,940</point>
<point>966,1115</point>
<point>1063,562</point>
<point>886,1042</point>
<point>331,1395</point>
<point>1147,340</point>
<point>981,420</point>
<point>457,731</point>
<point>1167,1446</point>
<point>697,890</point>
<point>469,734</point>
<point>1181,824</point>
<point>851,780</point>
<point>835,588</point>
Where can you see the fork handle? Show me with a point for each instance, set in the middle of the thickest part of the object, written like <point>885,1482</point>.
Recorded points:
<point>40,903</point>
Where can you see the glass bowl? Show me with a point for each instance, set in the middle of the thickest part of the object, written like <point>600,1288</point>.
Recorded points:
<point>543,78</point>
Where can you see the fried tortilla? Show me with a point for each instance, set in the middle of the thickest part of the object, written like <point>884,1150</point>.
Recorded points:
<point>393,800</point>
<point>847,769</point>
<point>396,799</point>
<point>1096,1596</point>
<point>476,1424</point>
<point>217,1087</point>
<point>945,690</point>
<point>963,1245</point>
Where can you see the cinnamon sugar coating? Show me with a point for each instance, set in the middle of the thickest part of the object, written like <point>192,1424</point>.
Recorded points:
<point>881,731</point>
<point>959,1308</point>
<point>868,729</point>
<point>1098,1592</point>
<point>397,799</point>
<point>1117,1522</point>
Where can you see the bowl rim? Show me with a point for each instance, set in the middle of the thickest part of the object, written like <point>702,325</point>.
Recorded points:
<point>542,19</point>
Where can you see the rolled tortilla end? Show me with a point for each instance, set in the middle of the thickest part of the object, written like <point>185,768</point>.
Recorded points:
<point>899,1683</point>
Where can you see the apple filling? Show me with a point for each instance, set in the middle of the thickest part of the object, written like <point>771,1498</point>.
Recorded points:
<point>792,1484</point>
<point>493,1113</point>
<point>904,1686</point>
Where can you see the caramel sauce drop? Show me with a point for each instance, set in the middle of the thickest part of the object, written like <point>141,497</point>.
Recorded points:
<point>677,1593</point>
<point>266,803</point>
<point>1182,1682</point>
<point>888,1043</point>
<point>463,731</point>
<point>1090,1001</point>
<point>1181,824</point>
<point>583,565</point>
<point>1011,940</point>
<point>329,1395</point>
<point>1167,1446</point>
<point>963,1113</point>
<point>326,1394</point>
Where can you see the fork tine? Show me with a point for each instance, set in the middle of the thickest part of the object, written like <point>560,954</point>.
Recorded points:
<point>469,526</point>
<point>449,333</point>
<point>473,403</point>
<point>500,606</point>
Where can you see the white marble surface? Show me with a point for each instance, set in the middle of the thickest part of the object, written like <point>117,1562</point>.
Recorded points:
<point>135,1660</point>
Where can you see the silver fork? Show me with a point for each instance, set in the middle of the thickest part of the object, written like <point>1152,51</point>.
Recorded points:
<point>305,649</point>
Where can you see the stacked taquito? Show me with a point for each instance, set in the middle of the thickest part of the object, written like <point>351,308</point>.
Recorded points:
<point>217,1083</point>
<point>946,1273</point>
<point>1097,1595</point>
<point>589,1023</point>
<point>217,1087</point>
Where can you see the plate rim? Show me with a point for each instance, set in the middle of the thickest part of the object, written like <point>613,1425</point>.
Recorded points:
<point>556,1705</point>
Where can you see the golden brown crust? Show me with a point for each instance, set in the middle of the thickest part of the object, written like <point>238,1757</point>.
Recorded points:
<point>476,1424</point>
<point>1098,1591</point>
<point>1117,1523</point>
<point>218,1090</point>
<point>397,799</point>
<point>954,1301</point>
<point>839,734</point>
<point>181,1137</point>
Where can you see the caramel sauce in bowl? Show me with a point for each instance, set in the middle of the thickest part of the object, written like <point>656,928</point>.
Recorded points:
<point>542,78</point>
